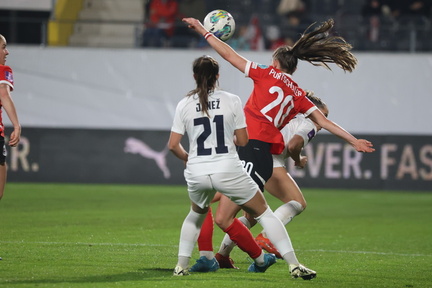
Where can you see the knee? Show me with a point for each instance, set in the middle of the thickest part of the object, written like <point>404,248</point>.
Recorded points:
<point>303,205</point>
<point>298,206</point>
<point>222,222</point>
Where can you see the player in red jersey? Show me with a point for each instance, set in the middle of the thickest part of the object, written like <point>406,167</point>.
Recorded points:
<point>275,100</point>
<point>6,86</point>
<point>297,134</point>
<point>276,97</point>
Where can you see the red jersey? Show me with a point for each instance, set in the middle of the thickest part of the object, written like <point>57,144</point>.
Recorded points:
<point>274,101</point>
<point>6,77</point>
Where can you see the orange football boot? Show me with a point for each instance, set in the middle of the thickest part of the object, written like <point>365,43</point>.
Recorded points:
<point>266,245</point>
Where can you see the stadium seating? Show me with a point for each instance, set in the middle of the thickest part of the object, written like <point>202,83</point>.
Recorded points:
<point>108,23</point>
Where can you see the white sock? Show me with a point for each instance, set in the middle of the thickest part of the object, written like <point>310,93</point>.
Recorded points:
<point>245,221</point>
<point>260,260</point>
<point>188,236</point>
<point>227,244</point>
<point>287,212</point>
<point>278,235</point>
<point>208,254</point>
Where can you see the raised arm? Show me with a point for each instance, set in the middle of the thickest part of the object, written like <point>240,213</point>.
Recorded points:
<point>222,48</point>
<point>360,145</point>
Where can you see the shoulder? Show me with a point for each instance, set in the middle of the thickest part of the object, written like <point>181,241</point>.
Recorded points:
<point>299,125</point>
<point>227,95</point>
<point>305,105</point>
<point>256,68</point>
<point>306,122</point>
<point>4,68</point>
<point>183,102</point>
<point>6,76</point>
<point>306,129</point>
<point>6,72</point>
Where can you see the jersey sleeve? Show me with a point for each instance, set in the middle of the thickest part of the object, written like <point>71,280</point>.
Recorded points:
<point>6,76</point>
<point>255,71</point>
<point>307,130</point>
<point>240,118</point>
<point>278,160</point>
<point>178,125</point>
<point>306,106</point>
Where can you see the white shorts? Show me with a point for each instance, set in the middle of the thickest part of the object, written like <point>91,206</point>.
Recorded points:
<point>238,186</point>
<point>278,161</point>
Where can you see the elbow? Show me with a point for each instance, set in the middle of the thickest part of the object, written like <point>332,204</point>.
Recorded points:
<point>291,149</point>
<point>242,143</point>
<point>241,137</point>
<point>172,147</point>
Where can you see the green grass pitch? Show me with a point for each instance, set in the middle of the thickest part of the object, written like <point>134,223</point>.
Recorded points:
<point>65,235</point>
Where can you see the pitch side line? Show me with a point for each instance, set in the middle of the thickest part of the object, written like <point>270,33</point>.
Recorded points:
<point>159,245</point>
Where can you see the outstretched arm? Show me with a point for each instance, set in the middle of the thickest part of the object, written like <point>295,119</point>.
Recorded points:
<point>223,49</point>
<point>360,145</point>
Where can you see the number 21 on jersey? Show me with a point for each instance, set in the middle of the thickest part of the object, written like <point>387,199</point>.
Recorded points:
<point>217,128</point>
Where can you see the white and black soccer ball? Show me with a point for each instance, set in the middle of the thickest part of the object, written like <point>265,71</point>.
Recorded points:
<point>220,23</point>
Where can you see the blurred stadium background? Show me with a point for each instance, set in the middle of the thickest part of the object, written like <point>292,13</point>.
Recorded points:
<point>96,98</point>
<point>396,25</point>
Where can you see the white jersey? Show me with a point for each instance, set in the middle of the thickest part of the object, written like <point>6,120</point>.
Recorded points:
<point>211,139</point>
<point>301,126</point>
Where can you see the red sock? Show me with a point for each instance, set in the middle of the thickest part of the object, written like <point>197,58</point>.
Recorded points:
<point>241,235</point>
<point>205,239</point>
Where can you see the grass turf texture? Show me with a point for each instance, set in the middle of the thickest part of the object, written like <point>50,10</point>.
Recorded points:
<point>61,235</point>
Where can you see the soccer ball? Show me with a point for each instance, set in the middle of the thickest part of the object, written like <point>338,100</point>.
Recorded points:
<point>220,23</point>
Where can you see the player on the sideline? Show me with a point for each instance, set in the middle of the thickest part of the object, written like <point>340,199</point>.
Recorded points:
<point>6,102</point>
<point>6,85</point>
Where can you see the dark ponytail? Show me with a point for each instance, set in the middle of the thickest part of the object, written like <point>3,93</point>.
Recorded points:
<point>205,70</point>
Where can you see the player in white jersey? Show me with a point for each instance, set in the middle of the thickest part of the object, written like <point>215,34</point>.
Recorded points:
<point>211,118</point>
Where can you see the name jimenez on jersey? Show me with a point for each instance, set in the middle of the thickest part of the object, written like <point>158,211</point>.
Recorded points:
<point>212,105</point>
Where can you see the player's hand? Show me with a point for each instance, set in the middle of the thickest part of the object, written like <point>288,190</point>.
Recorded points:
<point>195,24</point>
<point>302,163</point>
<point>362,145</point>
<point>15,136</point>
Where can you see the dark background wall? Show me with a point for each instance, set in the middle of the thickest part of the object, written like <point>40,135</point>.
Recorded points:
<point>141,157</point>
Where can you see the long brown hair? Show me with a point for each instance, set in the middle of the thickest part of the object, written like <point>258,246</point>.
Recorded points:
<point>206,70</point>
<point>318,47</point>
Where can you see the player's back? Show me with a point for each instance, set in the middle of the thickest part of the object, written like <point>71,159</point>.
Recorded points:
<point>211,137</point>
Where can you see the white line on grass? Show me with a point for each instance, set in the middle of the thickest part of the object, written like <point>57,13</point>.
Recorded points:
<point>159,245</point>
